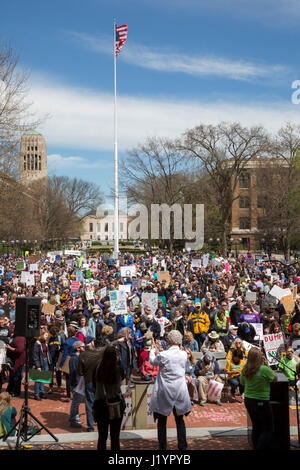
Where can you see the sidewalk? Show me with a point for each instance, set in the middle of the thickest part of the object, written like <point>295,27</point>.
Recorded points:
<point>208,428</point>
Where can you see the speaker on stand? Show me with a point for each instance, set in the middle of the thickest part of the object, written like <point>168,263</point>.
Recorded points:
<point>27,324</point>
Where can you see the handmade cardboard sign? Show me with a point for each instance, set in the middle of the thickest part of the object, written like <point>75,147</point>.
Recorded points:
<point>164,276</point>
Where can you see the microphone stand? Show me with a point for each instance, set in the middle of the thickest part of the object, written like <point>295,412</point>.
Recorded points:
<point>294,443</point>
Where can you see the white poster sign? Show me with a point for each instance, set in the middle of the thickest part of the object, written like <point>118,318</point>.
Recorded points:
<point>251,296</point>
<point>259,330</point>
<point>150,300</point>
<point>126,288</point>
<point>27,278</point>
<point>128,271</point>
<point>33,267</point>
<point>45,276</point>
<point>273,345</point>
<point>205,260</point>
<point>118,304</point>
<point>277,292</point>
<point>196,263</point>
<point>102,292</point>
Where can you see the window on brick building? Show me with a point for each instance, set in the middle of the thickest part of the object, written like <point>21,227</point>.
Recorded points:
<point>244,180</point>
<point>245,223</point>
<point>244,202</point>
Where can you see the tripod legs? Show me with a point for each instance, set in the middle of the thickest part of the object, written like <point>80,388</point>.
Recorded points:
<point>23,428</point>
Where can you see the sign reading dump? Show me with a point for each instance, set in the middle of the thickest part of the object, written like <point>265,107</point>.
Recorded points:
<point>274,345</point>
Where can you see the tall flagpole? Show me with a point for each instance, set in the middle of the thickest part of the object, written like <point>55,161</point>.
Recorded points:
<point>116,191</point>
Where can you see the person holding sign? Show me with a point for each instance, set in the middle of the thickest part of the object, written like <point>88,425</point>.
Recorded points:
<point>257,376</point>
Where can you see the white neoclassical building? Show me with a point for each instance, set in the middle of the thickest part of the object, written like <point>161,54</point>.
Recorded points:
<point>100,226</point>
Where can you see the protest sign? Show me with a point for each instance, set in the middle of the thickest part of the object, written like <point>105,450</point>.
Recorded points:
<point>89,293</point>
<point>128,271</point>
<point>73,252</point>
<point>79,275</point>
<point>196,263</point>
<point>75,285</point>
<point>273,345</point>
<point>118,304</point>
<point>33,267</point>
<point>93,264</point>
<point>1,270</point>
<point>164,276</point>
<point>205,260</point>
<point>288,303</point>
<point>48,309</point>
<point>215,262</point>
<point>294,292</point>
<point>20,265</point>
<point>126,288</point>
<point>259,330</point>
<point>102,292</point>
<point>150,300</point>
<point>250,296</point>
<point>27,278</point>
<point>277,292</point>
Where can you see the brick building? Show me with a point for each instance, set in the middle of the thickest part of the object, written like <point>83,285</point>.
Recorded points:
<point>247,208</point>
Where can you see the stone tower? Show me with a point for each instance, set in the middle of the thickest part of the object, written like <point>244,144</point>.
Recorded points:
<point>33,157</point>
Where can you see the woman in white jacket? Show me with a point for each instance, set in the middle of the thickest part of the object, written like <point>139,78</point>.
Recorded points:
<point>170,392</point>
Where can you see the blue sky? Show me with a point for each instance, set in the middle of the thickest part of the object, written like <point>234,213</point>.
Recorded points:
<point>185,62</point>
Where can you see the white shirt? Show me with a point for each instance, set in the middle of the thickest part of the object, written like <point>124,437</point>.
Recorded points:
<point>170,388</point>
<point>162,322</point>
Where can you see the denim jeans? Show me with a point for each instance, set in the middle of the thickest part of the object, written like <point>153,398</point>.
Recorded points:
<point>74,410</point>
<point>89,401</point>
<point>234,383</point>
<point>39,387</point>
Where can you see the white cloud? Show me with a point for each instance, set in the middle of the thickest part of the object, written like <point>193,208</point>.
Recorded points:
<point>166,60</point>
<point>58,161</point>
<point>84,119</point>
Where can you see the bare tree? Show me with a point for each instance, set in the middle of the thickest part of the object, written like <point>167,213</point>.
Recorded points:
<point>155,173</point>
<point>279,188</point>
<point>80,196</point>
<point>15,115</point>
<point>224,151</point>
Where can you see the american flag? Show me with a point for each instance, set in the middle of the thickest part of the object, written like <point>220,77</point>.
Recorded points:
<point>121,36</point>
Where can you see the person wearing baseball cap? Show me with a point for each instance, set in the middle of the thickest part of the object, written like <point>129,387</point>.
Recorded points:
<point>201,324</point>
<point>227,340</point>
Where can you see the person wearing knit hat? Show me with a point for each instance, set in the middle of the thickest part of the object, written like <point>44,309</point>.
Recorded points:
<point>170,393</point>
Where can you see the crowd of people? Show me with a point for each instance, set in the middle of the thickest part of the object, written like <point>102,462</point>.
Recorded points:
<point>207,305</point>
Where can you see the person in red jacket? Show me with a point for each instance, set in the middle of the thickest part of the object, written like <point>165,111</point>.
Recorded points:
<point>146,369</point>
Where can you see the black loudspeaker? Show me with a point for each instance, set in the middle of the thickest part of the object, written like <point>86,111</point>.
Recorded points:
<point>28,317</point>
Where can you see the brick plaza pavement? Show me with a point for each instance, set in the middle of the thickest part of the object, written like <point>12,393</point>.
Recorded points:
<point>211,427</point>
